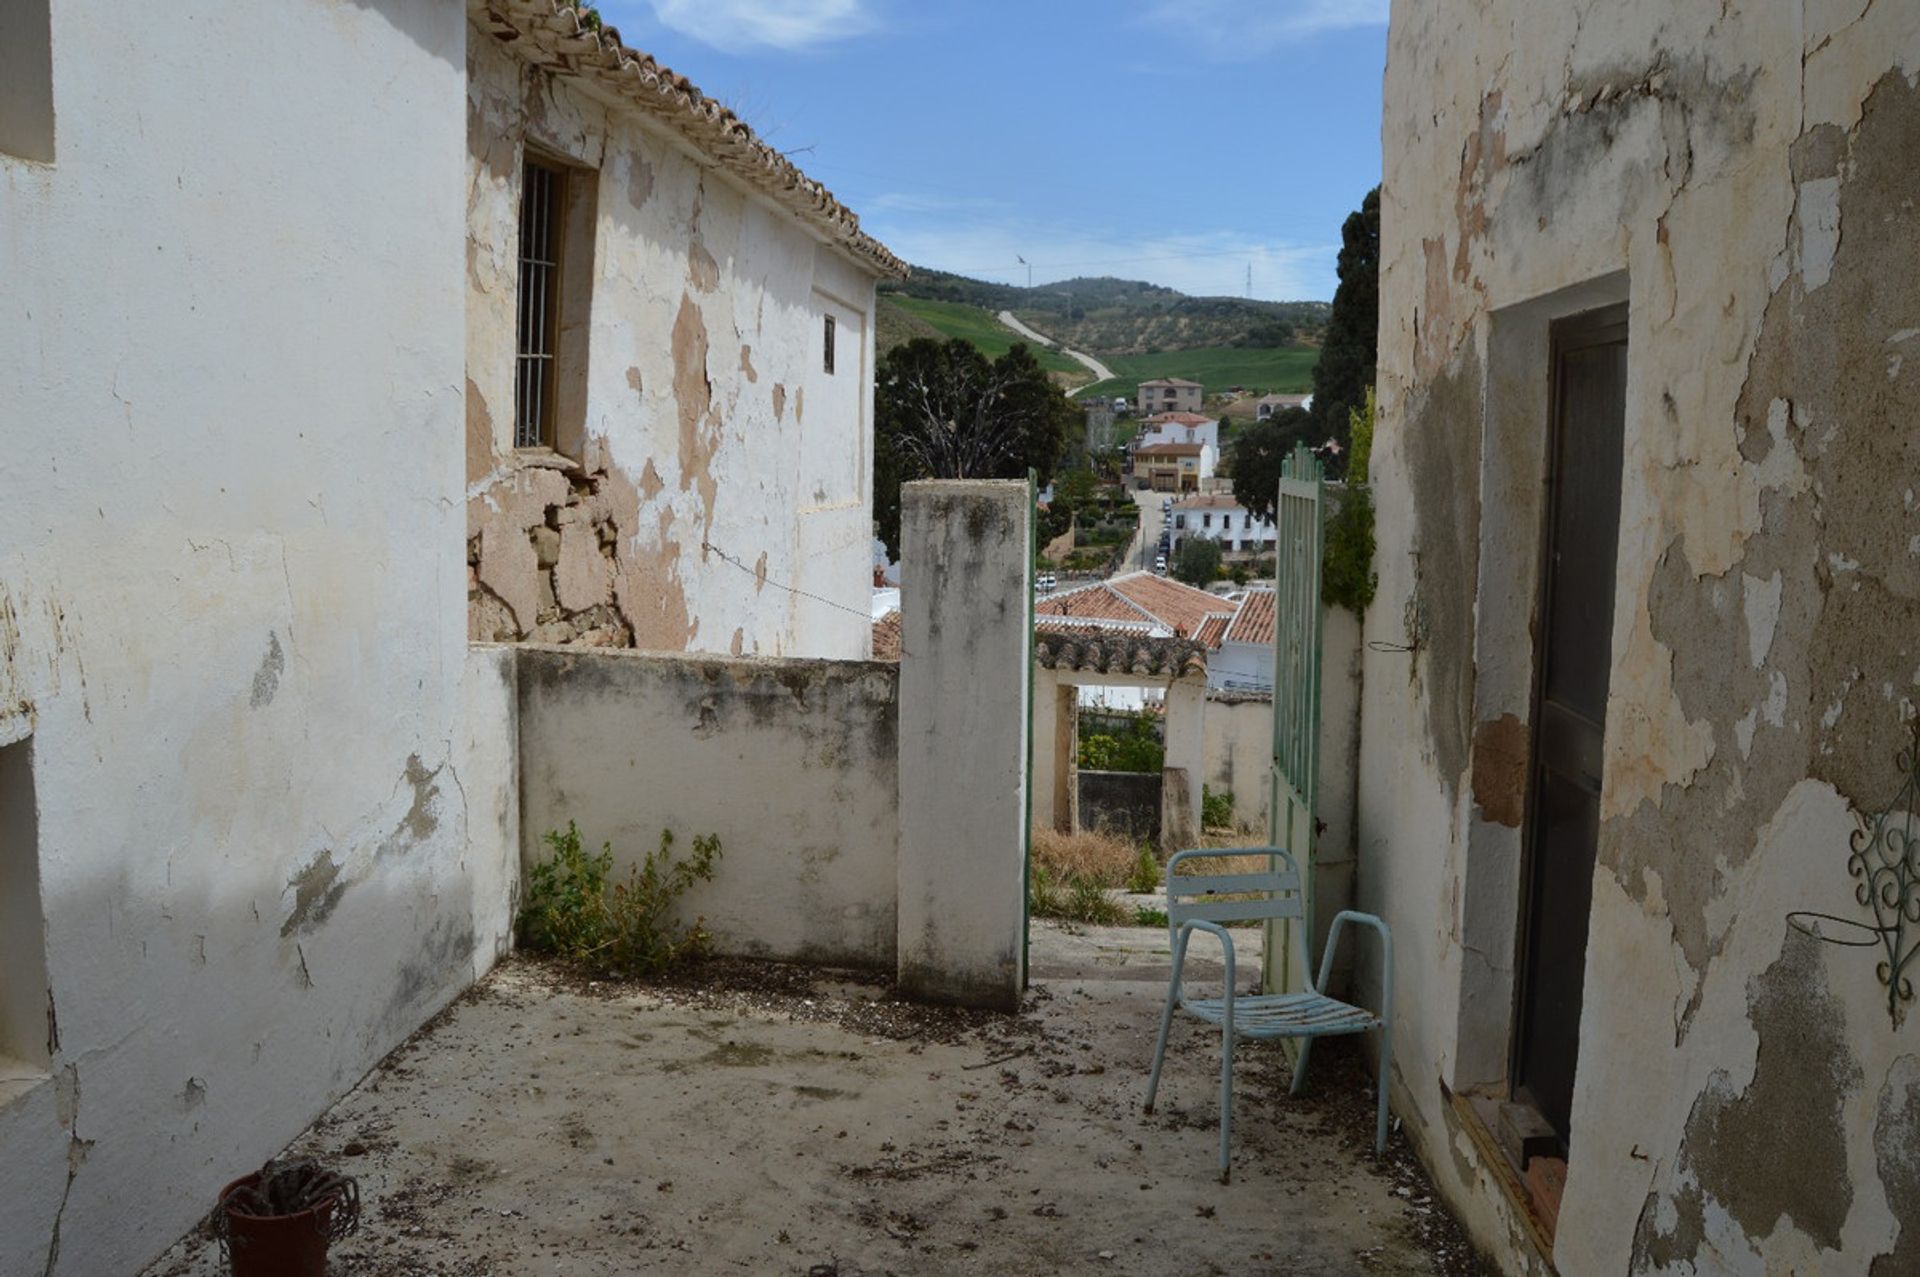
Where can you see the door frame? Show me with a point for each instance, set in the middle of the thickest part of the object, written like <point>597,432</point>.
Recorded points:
<point>1597,327</point>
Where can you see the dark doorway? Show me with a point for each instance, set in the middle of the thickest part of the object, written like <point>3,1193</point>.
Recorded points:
<point>1588,401</point>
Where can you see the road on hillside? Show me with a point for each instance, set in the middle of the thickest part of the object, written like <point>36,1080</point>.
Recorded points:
<point>1099,370</point>
<point>1145,545</point>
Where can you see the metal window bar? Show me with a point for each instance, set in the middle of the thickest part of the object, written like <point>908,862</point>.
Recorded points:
<point>829,345</point>
<point>539,275</point>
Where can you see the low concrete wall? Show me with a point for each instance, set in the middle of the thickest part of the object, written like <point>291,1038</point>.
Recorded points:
<point>1123,803</point>
<point>793,763</point>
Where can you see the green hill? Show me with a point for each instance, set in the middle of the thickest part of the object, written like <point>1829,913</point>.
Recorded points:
<point>1107,316</point>
<point>956,319</point>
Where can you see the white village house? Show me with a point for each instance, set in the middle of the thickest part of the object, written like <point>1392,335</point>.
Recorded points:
<point>1180,427</point>
<point>1218,517</point>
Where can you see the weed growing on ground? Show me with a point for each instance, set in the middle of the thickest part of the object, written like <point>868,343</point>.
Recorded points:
<point>1216,810</point>
<point>1071,897</point>
<point>575,911</point>
<point>1148,916</point>
<point>1144,877</point>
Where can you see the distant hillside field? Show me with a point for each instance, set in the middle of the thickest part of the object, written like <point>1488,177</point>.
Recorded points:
<point>956,319</point>
<point>1288,371</point>
<point>1107,316</point>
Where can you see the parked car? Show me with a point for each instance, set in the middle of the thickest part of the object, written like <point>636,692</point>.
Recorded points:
<point>1160,564</point>
<point>1044,583</point>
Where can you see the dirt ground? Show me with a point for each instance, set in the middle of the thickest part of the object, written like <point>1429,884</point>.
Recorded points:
<point>756,1118</point>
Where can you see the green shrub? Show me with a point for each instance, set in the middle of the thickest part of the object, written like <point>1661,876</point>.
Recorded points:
<point>1144,876</point>
<point>573,911</point>
<point>1149,916</point>
<point>1138,749</point>
<point>1216,810</point>
<point>1071,898</point>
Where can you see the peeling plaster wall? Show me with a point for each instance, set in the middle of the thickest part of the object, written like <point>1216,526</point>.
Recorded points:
<point>709,420</point>
<point>793,763</point>
<point>1744,177</point>
<point>231,592</point>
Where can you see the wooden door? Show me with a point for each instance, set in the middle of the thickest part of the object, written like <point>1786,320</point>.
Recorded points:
<point>1589,372</point>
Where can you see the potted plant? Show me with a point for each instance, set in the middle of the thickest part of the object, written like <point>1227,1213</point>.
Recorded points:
<point>279,1221</point>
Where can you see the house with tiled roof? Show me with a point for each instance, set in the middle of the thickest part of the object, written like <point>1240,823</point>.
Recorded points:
<point>1142,602</point>
<point>1218,517</point>
<point>1168,394</point>
<point>1180,427</point>
<point>1172,467</point>
<point>1241,660</point>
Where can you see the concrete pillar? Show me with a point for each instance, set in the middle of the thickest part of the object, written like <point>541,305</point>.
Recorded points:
<point>1066,757</point>
<point>966,668</point>
<point>1186,748</point>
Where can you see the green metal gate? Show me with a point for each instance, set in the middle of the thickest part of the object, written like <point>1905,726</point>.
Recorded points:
<point>1299,528</point>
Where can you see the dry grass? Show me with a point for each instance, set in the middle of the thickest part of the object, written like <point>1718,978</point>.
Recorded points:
<point>1099,857</point>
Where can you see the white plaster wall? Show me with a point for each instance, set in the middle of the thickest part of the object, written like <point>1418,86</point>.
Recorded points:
<point>708,410</point>
<point>1239,754</point>
<point>231,595</point>
<point>792,763</point>
<point>1528,149</point>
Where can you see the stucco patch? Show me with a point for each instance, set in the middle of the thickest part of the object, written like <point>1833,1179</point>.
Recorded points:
<point>316,891</point>
<point>633,380</point>
<point>693,398</point>
<point>1778,1149</point>
<point>479,434</point>
<point>703,273</point>
<point>779,401</point>
<point>1442,436</point>
<point>746,363</point>
<point>266,679</point>
<point>1896,1150</point>
<point>1500,770</point>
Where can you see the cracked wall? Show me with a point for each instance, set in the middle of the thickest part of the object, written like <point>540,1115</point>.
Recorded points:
<point>1746,180</point>
<point>231,533</point>
<point>685,468</point>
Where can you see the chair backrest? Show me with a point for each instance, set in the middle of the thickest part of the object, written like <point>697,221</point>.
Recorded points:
<point>1260,892</point>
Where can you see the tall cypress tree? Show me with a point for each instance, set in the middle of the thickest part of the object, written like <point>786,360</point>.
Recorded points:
<point>1351,349</point>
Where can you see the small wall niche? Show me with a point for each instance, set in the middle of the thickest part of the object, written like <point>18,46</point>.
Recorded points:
<point>26,1026</point>
<point>26,79</point>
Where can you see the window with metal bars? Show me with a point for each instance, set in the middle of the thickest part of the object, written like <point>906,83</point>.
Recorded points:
<point>828,361</point>
<point>540,212</point>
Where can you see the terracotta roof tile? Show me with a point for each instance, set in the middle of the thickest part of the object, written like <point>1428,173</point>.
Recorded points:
<point>1098,601</point>
<point>549,34</point>
<point>1254,622</point>
<point>1210,631</point>
<point>886,637</point>
<point>1181,607</point>
<point>1108,653</point>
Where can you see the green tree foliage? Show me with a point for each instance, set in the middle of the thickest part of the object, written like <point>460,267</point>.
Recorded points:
<point>1347,577</point>
<point>1197,561</point>
<point>1258,449</point>
<point>1138,749</point>
<point>942,410</point>
<point>1351,350</point>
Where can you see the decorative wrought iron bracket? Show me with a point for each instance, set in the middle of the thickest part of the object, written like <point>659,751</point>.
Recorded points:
<point>1884,856</point>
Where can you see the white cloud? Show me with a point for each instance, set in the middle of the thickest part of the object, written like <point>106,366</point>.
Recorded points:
<point>1237,30</point>
<point>1200,263</point>
<point>736,25</point>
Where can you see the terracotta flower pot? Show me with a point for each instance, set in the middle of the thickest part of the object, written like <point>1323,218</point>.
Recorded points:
<point>277,1245</point>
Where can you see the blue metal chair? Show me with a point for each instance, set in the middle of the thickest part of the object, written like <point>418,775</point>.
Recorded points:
<point>1272,893</point>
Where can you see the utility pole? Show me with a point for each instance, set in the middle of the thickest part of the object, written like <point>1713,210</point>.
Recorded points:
<point>1029,265</point>
<point>1249,281</point>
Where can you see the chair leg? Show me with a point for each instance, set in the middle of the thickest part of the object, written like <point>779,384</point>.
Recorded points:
<point>1226,1098</point>
<point>1386,1072</point>
<point>1160,1048</point>
<point>1300,1067</point>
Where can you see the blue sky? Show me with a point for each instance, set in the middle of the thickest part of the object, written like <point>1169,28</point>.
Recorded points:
<point>1178,141</point>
